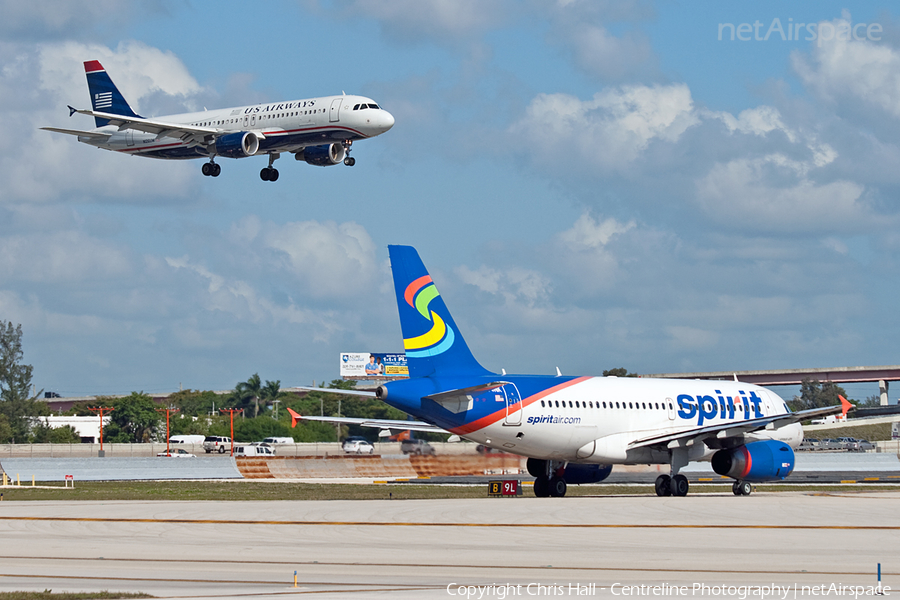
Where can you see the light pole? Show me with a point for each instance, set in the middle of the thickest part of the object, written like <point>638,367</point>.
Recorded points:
<point>231,412</point>
<point>169,410</point>
<point>101,410</point>
<point>275,402</point>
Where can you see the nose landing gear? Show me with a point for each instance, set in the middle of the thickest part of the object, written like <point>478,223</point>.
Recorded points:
<point>348,160</point>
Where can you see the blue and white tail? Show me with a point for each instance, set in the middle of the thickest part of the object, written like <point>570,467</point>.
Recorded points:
<point>433,343</point>
<point>105,96</point>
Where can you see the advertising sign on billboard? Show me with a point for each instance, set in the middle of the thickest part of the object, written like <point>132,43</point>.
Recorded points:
<point>366,365</point>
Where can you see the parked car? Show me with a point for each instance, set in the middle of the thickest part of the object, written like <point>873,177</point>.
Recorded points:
<point>176,453</point>
<point>217,443</point>
<point>357,445</point>
<point>864,445</point>
<point>187,439</point>
<point>809,444</point>
<point>253,450</point>
<point>848,443</point>
<point>279,440</point>
<point>829,444</point>
<point>420,447</point>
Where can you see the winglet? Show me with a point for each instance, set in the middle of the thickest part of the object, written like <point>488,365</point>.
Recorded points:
<point>294,417</point>
<point>72,110</point>
<point>845,406</point>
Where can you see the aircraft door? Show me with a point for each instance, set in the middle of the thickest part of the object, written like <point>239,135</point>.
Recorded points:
<point>670,408</point>
<point>513,405</point>
<point>334,114</point>
<point>246,121</point>
<point>252,120</point>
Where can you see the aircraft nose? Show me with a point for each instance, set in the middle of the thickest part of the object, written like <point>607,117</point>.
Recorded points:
<point>386,121</point>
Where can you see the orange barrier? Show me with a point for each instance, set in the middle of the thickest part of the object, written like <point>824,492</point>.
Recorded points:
<point>378,466</point>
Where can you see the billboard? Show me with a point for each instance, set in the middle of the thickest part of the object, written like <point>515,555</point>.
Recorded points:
<point>368,365</point>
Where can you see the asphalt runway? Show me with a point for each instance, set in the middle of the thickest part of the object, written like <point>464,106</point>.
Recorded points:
<point>524,547</point>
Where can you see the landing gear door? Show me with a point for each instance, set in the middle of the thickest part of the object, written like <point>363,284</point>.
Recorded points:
<point>513,404</point>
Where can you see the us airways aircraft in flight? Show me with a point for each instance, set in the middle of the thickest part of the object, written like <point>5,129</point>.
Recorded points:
<point>319,131</point>
<point>574,429</point>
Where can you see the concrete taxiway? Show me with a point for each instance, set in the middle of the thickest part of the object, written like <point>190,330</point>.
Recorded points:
<point>524,547</point>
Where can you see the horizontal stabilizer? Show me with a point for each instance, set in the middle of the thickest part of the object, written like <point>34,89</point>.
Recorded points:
<point>88,134</point>
<point>374,423</point>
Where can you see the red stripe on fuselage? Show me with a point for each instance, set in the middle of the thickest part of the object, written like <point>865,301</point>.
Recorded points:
<point>500,414</point>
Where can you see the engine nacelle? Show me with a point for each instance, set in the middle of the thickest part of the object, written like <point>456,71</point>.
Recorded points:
<point>586,473</point>
<point>237,145</point>
<point>769,460</point>
<point>322,156</point>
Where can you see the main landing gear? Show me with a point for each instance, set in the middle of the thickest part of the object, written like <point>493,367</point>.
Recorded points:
<point>348,160</point>
<point>741,488</point>
<point>211,169</point>
<point>548,477</point>
<point>270,173</point>
<point>676,485</point>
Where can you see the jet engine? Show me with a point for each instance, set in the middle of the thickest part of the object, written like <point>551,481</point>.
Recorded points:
<point>767,460</point>
<point>237,145</point>
<point>322,156</point>
<point>586,473</point>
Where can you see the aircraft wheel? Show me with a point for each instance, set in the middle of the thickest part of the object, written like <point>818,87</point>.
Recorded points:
<point>206,169</point>
<point>216,170</point>
<point>558,487</point>
<point>742,488</point>
<point>679,485</point>
<point>264,174</point>
<point>663,485</point>
<point>542,487</point>
<point>349,161</point>
<point>273,174</point>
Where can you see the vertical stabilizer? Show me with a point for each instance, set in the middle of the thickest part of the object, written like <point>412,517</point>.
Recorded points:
<point>433,343</point>
<point>105,96</point>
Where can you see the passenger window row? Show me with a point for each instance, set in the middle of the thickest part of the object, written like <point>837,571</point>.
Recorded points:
<point>592,404</point>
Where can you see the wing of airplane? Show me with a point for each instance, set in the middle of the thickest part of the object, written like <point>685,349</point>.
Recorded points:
<point>189,134</point>
<point>734,429</point>
<point>79,133</point>
<point>375,423</point>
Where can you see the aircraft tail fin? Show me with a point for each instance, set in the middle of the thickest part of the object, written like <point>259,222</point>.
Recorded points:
<point>433,343</point>
<point>105,96</point>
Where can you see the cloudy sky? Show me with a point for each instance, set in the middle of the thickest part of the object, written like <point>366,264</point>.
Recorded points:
<point>592,184</point>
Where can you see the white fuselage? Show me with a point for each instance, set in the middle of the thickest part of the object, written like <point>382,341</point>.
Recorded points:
<point>595,419</point>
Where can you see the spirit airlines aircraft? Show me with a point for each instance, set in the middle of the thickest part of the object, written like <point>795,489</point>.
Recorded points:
<point>574,429</point>
<point>319,131</point>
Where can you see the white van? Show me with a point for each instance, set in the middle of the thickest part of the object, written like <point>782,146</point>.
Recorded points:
<point>253,451</point>
<point>187,439</point>
<point>278,440</point>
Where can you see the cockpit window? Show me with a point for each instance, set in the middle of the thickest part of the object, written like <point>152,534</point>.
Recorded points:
<point>356,107</point>
<point>375,106</point>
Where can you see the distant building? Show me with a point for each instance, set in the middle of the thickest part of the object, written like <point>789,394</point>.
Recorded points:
<point>88,428</point>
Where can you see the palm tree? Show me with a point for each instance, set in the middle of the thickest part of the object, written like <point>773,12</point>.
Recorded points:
<point>249,391</point>
<point>272,392</point>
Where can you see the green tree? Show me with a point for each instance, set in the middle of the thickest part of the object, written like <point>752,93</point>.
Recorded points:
<point>619,372</point>
<point>194,402</point>
<point>6,432</point>
<point>133,419</point>
<point>272,392</point>
<point>15,384</point>
<point>42,433</point>
<point>246,395</point>
<point>814,394</point>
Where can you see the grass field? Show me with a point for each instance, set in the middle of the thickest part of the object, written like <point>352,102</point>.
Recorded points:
<point>237,491</point>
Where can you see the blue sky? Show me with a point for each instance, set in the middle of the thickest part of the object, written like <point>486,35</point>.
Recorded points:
<point>592,184</point>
